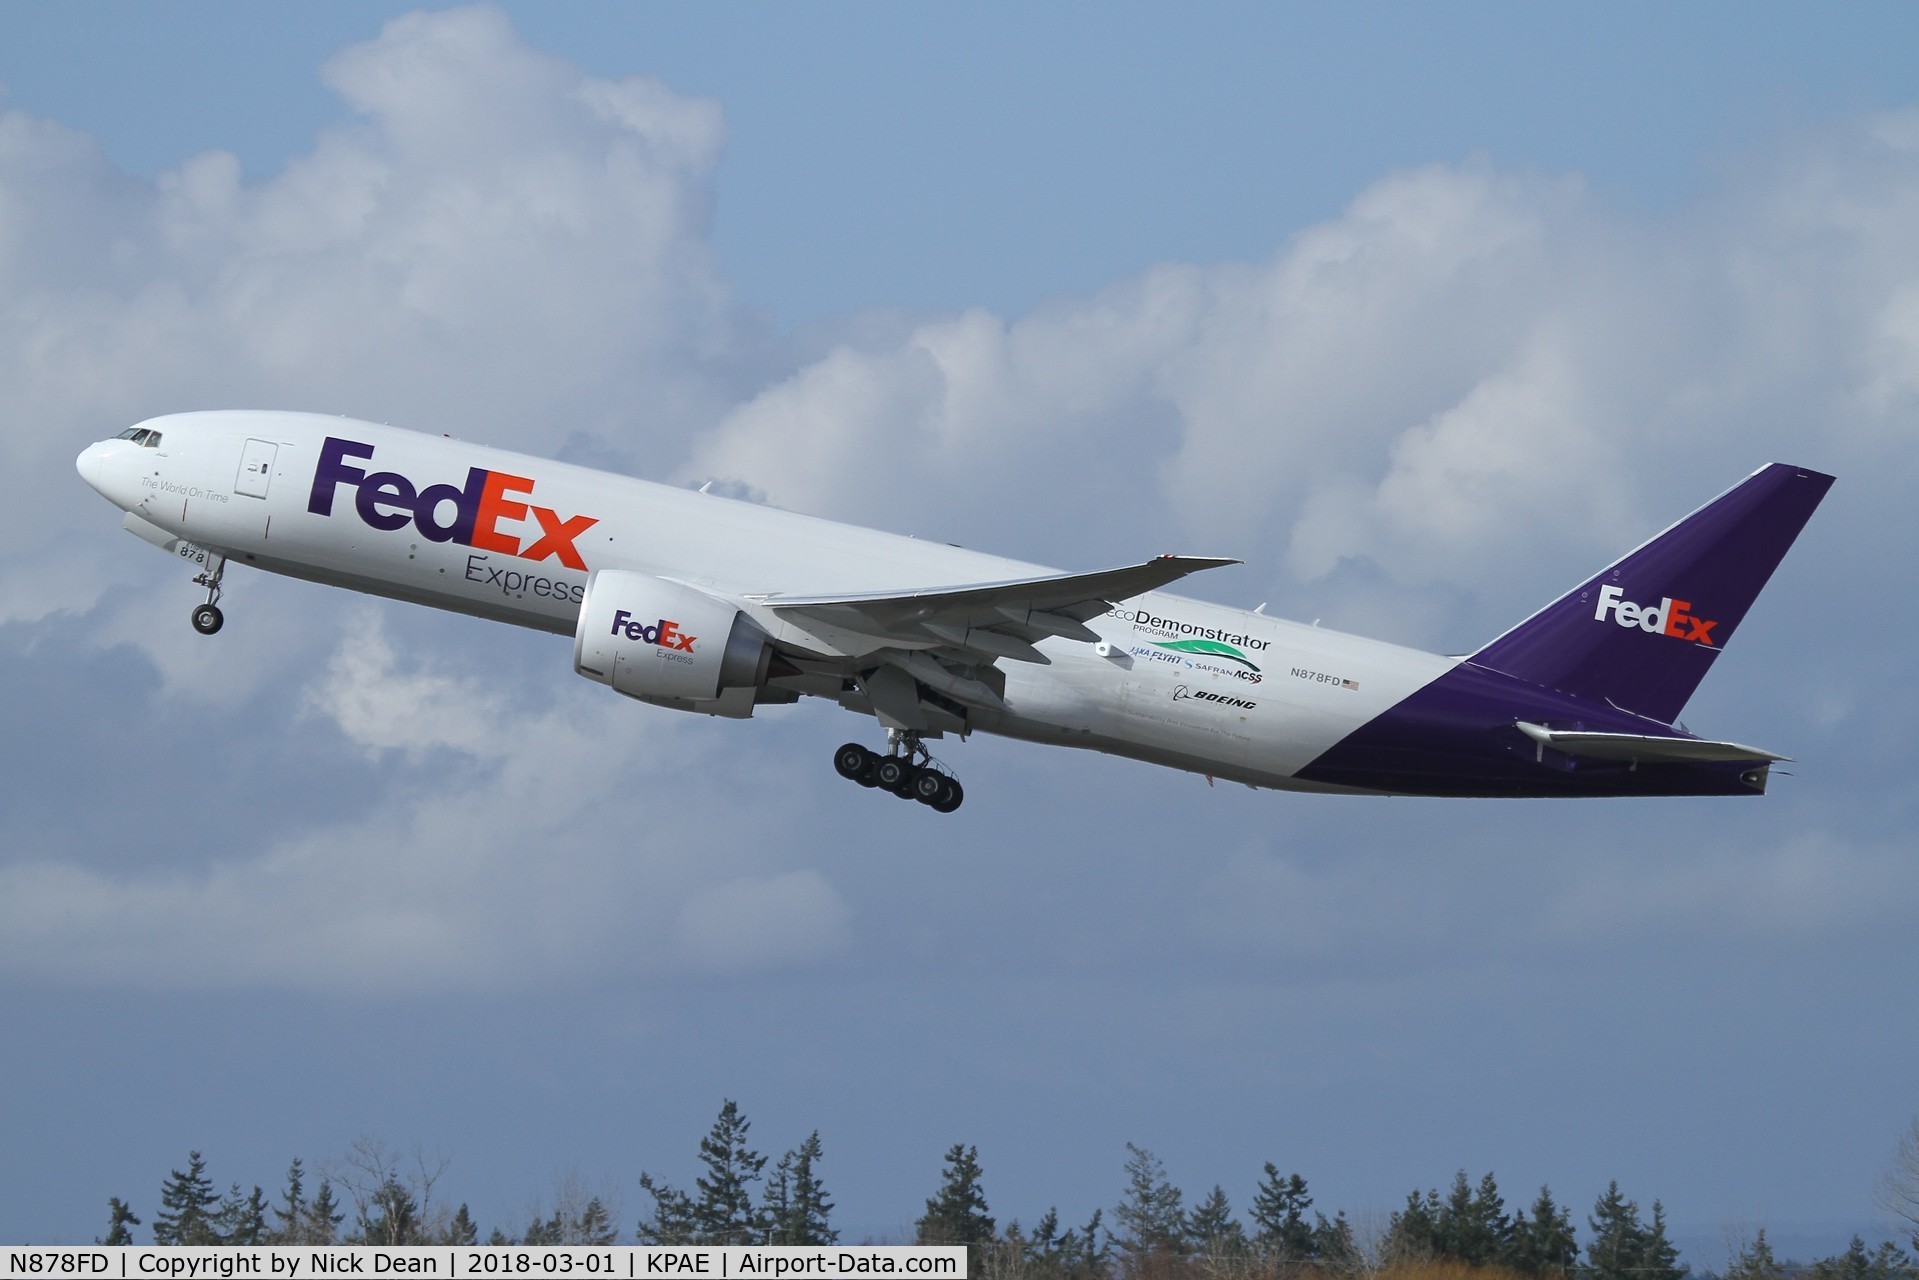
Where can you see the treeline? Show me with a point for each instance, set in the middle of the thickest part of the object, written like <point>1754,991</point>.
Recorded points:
<point>374,1197</point>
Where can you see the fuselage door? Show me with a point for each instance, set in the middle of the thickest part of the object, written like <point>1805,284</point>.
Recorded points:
<point>256,468</point>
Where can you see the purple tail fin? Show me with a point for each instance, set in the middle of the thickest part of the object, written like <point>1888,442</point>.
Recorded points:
<point>1642,634</point>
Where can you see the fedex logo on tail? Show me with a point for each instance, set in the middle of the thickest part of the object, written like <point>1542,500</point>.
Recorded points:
<point>388,500</point>
<point>1668,617</point>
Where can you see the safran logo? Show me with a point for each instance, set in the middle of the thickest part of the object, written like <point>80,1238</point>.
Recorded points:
<point>1667,618</point>
<point>665,634</point>
<point>1213,648</point>
<point>388,500</point>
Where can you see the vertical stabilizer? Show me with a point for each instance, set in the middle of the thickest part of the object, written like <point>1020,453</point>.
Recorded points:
<point>1643,633</point>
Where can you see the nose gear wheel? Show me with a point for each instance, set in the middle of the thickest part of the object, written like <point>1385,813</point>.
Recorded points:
<point>207,617</point>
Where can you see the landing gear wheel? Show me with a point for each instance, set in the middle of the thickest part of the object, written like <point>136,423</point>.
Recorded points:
<point>851,760</point>
<point>909,778</point>
<point>207,618</point>
<point>907,770</point>
<point>951,796</point>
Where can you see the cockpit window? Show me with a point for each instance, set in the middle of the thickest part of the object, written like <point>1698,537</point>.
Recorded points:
<point>141,436</point>
<point>128,434</point>
<point>152,441</point>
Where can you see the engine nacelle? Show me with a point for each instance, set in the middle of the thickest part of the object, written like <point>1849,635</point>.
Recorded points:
<point>668,643</point>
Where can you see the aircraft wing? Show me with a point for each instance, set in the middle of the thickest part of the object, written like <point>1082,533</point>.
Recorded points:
<point>987,619</point>
<point>1641,747</point>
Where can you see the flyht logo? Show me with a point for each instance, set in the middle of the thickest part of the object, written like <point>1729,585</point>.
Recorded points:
<point>1667,618</point>
<point>665,634</point>
<point>388,500</point>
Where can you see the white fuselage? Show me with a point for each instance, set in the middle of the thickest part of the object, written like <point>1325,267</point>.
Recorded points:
<point>243,484</point>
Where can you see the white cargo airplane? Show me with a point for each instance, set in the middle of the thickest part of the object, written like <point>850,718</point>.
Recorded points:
<point>699,603</point>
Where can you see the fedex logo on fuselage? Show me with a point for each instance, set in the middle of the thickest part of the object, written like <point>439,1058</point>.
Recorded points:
<point>1668,617</point>
<point>664,633</point>
<point>388,500</point>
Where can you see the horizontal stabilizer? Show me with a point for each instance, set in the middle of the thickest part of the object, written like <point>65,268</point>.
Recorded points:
<point>1638,747</point>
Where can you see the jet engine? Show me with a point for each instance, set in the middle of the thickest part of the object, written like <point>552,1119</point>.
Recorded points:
<point>670,644</point>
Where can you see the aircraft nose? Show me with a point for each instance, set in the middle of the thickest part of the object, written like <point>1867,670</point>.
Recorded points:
<point>91,465</point>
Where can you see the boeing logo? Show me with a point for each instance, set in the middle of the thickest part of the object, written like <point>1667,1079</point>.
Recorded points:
<point>388,500</point>
<point>1668,617</point>
<point>1181,693</point>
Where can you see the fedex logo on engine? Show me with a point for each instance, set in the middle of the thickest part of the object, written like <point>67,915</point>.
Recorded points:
<point>665,634</point>
<point>1668,617</point>
<point>388,500</point>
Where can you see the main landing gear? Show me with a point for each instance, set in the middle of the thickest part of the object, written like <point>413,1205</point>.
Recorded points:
<point>207,618</point>
<point>898,772</point>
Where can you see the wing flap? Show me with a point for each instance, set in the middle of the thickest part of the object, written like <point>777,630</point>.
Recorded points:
<point>987,619</point>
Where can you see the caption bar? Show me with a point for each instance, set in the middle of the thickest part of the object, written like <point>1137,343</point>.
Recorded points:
<point>635,1262</point>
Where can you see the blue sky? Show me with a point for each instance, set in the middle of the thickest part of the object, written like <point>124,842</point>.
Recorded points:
<point>1423,313</point>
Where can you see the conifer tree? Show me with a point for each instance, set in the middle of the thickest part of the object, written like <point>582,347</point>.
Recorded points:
<point>724,1213</point>
<point>119,1218</point>
<point>461,1230</point>
<point>392,1216</point>
<point>1893,1263</point>
<point>1045,1234</point>
<point>1658,1258</point>
<point>957,1214</point>
<point>1853,1264</point>
<point>776,1202</point>
<point>1617,1248</point>
<point>591,1224</point>
<point>673,1221</point>
<point>242,1220</point>
<point>321,1224</point>
<point>594,1225</point>
<point>1075,1254</point>
<point>1412,1234</point>
<point>797,1209</point>
<point>1151,1214</point>
<point>188,1204</point>
<point>1334,1248</point>
<point>1472,1227</point>
<point>1755,1261</point>
<point>290,1214</point>
<point>1214,1230</point>
<point>1888,1262</point>
<point>1279,1217</point>
<point>1542,1242</point>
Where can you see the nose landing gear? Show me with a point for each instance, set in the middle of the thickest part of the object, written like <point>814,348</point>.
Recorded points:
<point>207,618</point>
<point>899,772</point>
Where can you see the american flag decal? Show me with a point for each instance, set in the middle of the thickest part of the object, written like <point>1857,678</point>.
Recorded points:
<point>1349,684</point>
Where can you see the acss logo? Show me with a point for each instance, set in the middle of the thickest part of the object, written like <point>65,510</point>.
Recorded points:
<point>1667,618</point>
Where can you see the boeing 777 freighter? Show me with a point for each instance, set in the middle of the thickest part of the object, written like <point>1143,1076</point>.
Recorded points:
<point>700,603</point>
